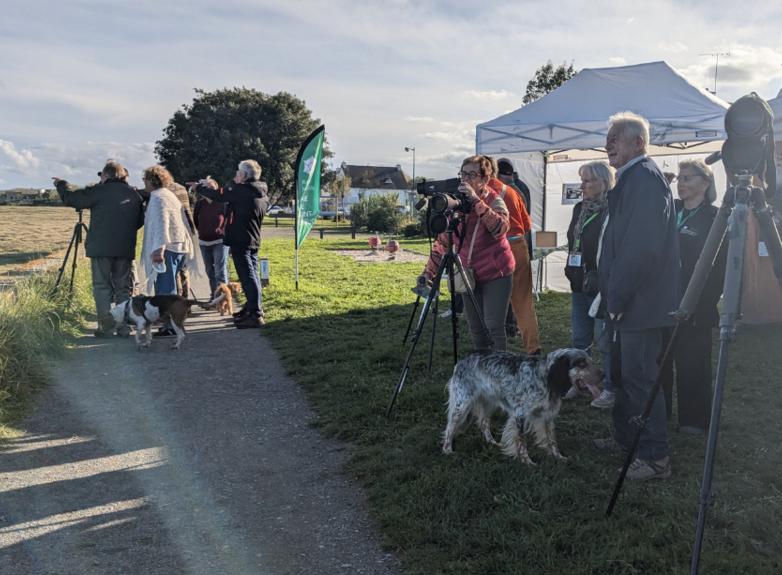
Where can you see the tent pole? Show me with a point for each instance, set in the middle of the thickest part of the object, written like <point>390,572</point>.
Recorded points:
<point>543,267</point>
<point>545,169</point>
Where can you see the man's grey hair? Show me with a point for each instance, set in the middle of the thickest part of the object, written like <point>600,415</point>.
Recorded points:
<point>633,124</point>
<point>251,168</point>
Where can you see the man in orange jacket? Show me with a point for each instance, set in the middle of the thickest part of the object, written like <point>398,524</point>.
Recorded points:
<point>521,295</point>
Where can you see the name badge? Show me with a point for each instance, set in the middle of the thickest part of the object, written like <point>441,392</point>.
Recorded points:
<point>574,259</point>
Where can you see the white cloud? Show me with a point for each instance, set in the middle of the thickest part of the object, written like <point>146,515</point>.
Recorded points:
<point>674,47</point>
<point>488,95</point>
<point>22,162</point>
<point>616,61</point>
<point>78,162</point>
<point>748,67</point>
<point>420,120</point>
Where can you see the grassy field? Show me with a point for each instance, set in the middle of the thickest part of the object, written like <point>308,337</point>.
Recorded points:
<point>479,512</point>
<point>30,233</point>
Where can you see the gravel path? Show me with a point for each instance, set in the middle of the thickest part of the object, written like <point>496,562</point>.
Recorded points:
<point>192,461</point>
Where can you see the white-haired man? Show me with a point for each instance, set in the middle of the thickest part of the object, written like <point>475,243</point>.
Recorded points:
<point>639,287</point>
<point>247,203</point>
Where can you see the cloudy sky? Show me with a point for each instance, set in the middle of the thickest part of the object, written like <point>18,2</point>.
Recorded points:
<point>85,80</point>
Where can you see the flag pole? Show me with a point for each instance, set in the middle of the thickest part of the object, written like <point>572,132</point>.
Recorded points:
<point>307,184</point>
<point>296,225</point>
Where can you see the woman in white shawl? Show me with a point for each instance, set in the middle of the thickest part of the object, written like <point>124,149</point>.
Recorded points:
<point>167,241</point>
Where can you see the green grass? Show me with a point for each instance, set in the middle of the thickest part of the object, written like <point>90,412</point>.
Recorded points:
<point>478,511</point>
<point>35,326</point>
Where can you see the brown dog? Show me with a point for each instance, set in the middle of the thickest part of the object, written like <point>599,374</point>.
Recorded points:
<point>225,305</point>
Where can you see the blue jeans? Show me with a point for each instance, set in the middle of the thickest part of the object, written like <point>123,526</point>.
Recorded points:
<point>634,368</point>
<point>216,264</point>
<point>582,327</point>
<point>246,264</point>
<point>165,283</point>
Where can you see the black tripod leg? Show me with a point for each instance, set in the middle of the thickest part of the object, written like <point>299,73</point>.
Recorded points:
<point>433,294</point>
<point>454,319</point>
<point>434,330</point>
<point>79,239</point>
<point>67,255</point>
<point>643,418</point>
<point>474,300</point>
<point>412,316</point>
<point>406,366</point>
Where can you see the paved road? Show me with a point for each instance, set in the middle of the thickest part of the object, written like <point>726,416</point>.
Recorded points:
<point>192,461</point>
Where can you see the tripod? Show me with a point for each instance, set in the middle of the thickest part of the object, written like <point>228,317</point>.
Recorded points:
<point>732,218</point>
<point>447,263</point>
<point>76,239</point>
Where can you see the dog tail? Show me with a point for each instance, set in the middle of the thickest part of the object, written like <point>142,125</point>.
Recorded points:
<point>206,304</point>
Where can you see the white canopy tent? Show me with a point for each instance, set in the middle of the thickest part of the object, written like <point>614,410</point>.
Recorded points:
<point>549,139</point>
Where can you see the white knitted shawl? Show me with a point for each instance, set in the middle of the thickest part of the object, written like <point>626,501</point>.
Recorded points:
<point>165,223</point>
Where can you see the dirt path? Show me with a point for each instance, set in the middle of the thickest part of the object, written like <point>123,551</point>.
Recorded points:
<point>192,461</point>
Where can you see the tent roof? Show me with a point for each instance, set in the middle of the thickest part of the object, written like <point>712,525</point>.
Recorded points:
<point>574,115</point>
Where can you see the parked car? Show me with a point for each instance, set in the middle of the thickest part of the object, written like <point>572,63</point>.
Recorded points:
<point>276,210</point>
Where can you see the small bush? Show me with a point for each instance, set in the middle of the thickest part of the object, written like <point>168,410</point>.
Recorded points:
<point>377,213</point>
<point>411,230</point>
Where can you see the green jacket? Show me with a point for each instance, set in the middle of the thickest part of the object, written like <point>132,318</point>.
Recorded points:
<point>116,214</point>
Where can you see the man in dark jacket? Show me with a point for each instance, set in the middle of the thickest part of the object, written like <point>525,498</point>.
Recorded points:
<point>247,203</point>
<point>116,214</point>
<point>639,287</point>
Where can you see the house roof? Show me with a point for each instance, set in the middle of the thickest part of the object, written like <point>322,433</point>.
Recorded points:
<point>376,177</point>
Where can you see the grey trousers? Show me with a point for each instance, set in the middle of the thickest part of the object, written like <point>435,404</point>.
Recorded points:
<point>111,281</point>
<point>493,299</point>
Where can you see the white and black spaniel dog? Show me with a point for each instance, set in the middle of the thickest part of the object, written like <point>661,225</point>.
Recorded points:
<point>530,388</point>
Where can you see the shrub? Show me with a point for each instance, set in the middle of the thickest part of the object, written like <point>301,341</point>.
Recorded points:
<point>377,213</point>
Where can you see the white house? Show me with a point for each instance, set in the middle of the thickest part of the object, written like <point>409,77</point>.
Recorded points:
<point>374,180</point>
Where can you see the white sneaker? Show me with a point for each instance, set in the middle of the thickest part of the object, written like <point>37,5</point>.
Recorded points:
<point>605,400</point>
<point>572,392</point>
<point>446,313</point>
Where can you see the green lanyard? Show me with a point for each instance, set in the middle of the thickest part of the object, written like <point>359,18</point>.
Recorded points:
<point>680,222</point>
<point>578,241</point>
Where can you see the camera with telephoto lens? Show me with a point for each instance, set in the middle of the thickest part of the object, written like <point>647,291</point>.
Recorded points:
<point>749,123</point>
<point>444,199</point>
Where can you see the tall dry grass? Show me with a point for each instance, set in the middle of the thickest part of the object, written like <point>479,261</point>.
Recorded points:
<point>37,324</point>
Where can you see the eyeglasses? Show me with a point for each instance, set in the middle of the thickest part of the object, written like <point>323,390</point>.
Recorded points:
<point>685,179</point>
<point>468,175</point>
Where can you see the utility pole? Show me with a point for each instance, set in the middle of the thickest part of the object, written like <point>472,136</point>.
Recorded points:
<point>717,66</point>
<point>411,195</point>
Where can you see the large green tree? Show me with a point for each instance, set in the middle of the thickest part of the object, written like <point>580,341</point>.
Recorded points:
<point>219,129</point>
<point>548,78</point>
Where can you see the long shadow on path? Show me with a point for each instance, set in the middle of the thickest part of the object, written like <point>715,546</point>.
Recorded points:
<point>192,461</point>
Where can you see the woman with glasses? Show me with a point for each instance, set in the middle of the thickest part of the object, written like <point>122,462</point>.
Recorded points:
<point>583,237</point>
<point>695,213</point>
<point>484,249</point>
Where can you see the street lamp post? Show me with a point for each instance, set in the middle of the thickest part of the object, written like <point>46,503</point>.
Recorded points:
<point>410,196</point>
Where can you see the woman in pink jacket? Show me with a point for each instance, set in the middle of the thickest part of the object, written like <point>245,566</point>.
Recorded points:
<point>491,260</point>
